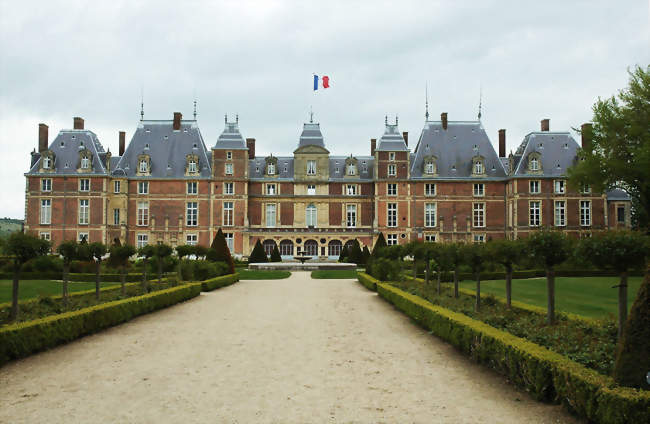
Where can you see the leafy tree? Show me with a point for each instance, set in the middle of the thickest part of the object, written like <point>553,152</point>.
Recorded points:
<point>201,252</point>
<point>93,252</point>
<point>439,254</point>
<point>454,253</point>
<point>257,255</point>
<point>618,153</point>
<point>620,251</point>
<point>22,247</point>
<point>182,251</point>
<point>379,244</point>
<point>507,253</point>
<point>161,252</point>
<point>632,358</point>
<point>416,250</point>
<point>69,250</point>
<point>550,248</point>
<point>221,252</point>
<point>275,254</point>
<point>476,256</point>
<point>119,257</point>
<point>146,252</point>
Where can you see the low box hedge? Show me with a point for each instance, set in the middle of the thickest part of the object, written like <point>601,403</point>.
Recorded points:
<point>368,281</point>
<point>218,282</point>
<point>80,277</point>
<point>23,339</point>
<point>546,375</point>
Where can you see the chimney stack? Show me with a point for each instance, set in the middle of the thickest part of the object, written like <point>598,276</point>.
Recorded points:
<point>373,146</point>
<point>77,123</point>
<point>405,134</point>
<point>177,121</point>
<point>502,143</point>
<point>122,142</point>
<point>443,118</point>
<point>545,124</point>
<point>250,143</point>
<point>586,130</point>
<point>42,137</point>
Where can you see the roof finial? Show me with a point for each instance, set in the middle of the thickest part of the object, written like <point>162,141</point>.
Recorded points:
<point>386,119</point>
<point>237,119</point>
<point>426,101</point>
<point>195,109</point>
<point>480,101</point>
<point>225,118</point>
<point>396,119</point>
<point>141,103</point>
<point>311,115</point>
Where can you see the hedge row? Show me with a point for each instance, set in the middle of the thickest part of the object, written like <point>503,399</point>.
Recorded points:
<point>79,277</point>
<point>218,282</point>
<point>531,273</point>
<point>546,375</point>
<point>23,339</point>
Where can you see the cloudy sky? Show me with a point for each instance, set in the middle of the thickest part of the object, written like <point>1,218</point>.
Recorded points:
<point>533,60</point>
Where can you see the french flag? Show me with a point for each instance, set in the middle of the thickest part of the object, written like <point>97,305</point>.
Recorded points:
<point>325,81</point>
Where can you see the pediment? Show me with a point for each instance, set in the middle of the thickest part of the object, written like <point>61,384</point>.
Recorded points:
<point>311,149</point>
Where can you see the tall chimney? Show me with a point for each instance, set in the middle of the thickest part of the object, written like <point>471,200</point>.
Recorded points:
<point>443,118</point>
<point>586,130</point>
<point>122,142</point>
<point>405,134</point>
<point>177,121</point>
<point>77,123</point>
<point>373,146</point>
<point>250,143</point>
<point>545,124</point>
<point>502,143</point>
<point>42,137</point>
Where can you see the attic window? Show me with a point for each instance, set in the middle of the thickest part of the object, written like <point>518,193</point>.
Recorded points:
<point>257,169</point>
<point>540,145</point>
<point>566,145</point>
<point>184,129</point>
<point>74,136</point>
<point>166,137</point>
<point>363,162</point>
<point>66,165</point>
<point>454,137</point>
<point>62,144</point>
<point>147,130</point>
<point>475,147</point>
<point>146,146</point>
<point>337,170</point>
<point>453,168</point>
<point>558,165</point>
<point>285,169</point>
<point>194,146</point>
<point>493,168</point>
<point>427,146</point>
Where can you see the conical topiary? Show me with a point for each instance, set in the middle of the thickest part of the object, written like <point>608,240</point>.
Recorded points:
<point>258,254</point>
<point>356,256</point>
<point>632,364</point>
<point>366,254</point>
<point>275,254</point>
<point>379,244</point>
<point>219,251</point>
<point>344,254</point>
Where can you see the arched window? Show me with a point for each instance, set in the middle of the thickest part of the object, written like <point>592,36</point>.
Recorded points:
<point>334,248</point>
<point>286,248</point>
<point>311,248</point>
<point>268,246</point>
<point>310,215</point>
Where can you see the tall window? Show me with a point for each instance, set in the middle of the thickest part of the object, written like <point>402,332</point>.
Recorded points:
<point>585,213</point>
<point>392,170</point>
<point>478,167</point>
<point>143,166</point>
<point>311,167</point>
<point>560,213</point>
<point>270,214</point>
<point>310,215</point>
<point>85,162</point>
<point>143,187</point>
<point>534,164</point>
<point>311,189</point>
<point>46,184</point>
<point>351,190</point>
<point>228,188</point>
<point>84,184</point>
<point>143,240</point>
<point>229,155</point>
<point>229,169</point>
<point>585,189</point>
<point>270,169</point>
<point>116,217</point>
<point>534,187</point>
<point>192,187</point>
<point>192,216</point>
<point>429,189</point>
<point>83,211</point>
<point>479,238</point>
<point>46,211</point>
<point>620,214</point>
<point>391,156</point>
<point>270,189</point>
<point>429,214</point>
<point>143,214</point>
<point>47,162</point>
<point>428,168</point>
<point>351,216</point>
<point>534,215</point>
<point>392,215</point>
<point>479,189</point>
<point>352,170</point>
<point>81,237</point>
<point>479,214</point>
<point>228,214</point>
<point>559,186</point>
<point>191,239</point>
<point>191,166</point>
<point>230,241</point>
<point>391,189</point>
<point>117,186</point>
<point>391,239</point>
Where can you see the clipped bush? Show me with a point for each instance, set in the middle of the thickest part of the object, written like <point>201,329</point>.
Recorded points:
<point>45,263</point>
<point>257,255</point>
<point>356,255</point>
<point>343,256</point>
<point>275,254</point>
<point>218,282</point>
<point>384,269</point>
<point>219,251</point>
<point>205,269</point>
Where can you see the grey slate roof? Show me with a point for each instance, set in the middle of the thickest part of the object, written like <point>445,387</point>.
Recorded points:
<point>166,148</point>
<point>231,138</point>
<point>392,140</point>
<point>557,149</point>
<point>311,135</point>
<point>257,168</point>
<point>454,149</point>
<point>617,194</point>
<point>365,167</point>
<point>66,148</point>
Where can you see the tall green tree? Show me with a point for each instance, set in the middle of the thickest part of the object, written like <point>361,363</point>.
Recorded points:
<point>507,253</point>
<point>366,255</point>
<point>94,252</point>
<point>183,251</point>
<point>119,256</point>
<point>618,153</point>
<point>161,253</point>
<point>549,248</point>
<point>22,247</point>
<point>146,252</point>
<point>69,250</point>
<point>379,244</point>
<point>220,251</point>
<point>621,251</point>
<point>345,253</point>
<point>476,256</point>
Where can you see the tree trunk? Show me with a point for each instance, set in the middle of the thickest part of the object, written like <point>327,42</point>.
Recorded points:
<point>160,264</point>
<point>550,288</point>
<point>428,272</point>
<point>123,279</point>
<point>180,270</point>
<point>98,266</point>
<point>478,292</point>
<point>144,276</point>
<point>508,286</point>
<point>14,295</point>
<point>622,303</point>
<point>66,275</point>
<point>439,276</point>
<point>456,283</point>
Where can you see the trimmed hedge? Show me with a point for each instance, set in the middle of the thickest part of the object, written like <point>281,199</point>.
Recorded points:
<point>546,375</point>
<point>530,273</point>
<point>80,277</point>
<point>218,282</point>
<point>368,281</point>
<point>23,339</point>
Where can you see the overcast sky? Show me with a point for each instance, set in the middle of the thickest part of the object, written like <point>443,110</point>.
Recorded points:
<point>533,60</point>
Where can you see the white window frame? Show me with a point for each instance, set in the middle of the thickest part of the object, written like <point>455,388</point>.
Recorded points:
<point>192,167</point>
<point>560,213</point>
<point>534,186</point>
<point>430,238</point>
<point>142,239</point>
<point>351,169</point>
<point>534,164</point>
<point>192,239</point>
<point>228,188</point>
<point>85,162</point>
<point>430,189</point>
<point>143,166</point>
<point>559,186</point>
<point>311,167</point>
<point>430,212</point>
<point>45,235</point>
<point>271,189</point>
<point>391,215</point>
<point>534,213</point>
<point>230,241</point>
<point>478,167</point>
<point>311,215</point>
<point>271,215</point>
<point>142,214</point>
<point>270,169</point>
<point>117,186</point>
<point>392,170</point>
<point>192,187</point>
<point>479,238</point>
<point>84,211</point>
<point>391,156</point>
<point>47,162</point>
<point>229,169</point>
<point>391,239</point>
<point>428,167</point>
<point>116,216</point>
<point>585,189</point>
<point>351,216</point>
<point>391,189</point>
<point>585,213</point>
<point>143,187</point>
<point>228,214</point>
<point>228,155</point>
<point>46,211</point>
<point>46,184</point>
<point>351,189</point>
<point>311,189</point>
<point>192,214</point>
<point>478,215</point>
<point>479,190</point>
<point>84,184</point>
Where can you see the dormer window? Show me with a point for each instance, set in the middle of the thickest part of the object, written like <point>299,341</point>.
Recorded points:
<point>47,162</point>
<point>271,165</point>
<point>85,163</point>
<point>478,165</point>
<point>143,166</point>
<point>270,169</point>
<point>351,166</point>
<point>534,164</point>
<point>191,166</point>
<point>430,167</point>
<point>352,170</point>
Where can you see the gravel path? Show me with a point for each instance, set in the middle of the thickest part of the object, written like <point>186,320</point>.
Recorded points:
<point>287,351</point>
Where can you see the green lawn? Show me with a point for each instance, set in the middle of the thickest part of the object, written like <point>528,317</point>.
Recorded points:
<point>248,274</point>
<point>33,288</point>
<point>587,296</point>
<point>334,274</point>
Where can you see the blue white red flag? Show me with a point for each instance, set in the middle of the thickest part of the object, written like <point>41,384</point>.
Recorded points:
<point>323,83</point>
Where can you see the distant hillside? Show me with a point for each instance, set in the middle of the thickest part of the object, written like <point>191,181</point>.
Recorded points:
<point>9,225</point>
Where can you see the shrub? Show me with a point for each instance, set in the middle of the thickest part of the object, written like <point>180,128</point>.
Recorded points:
<point>275,255</point>
<point>219,251</point>
<point>385,270</point>
<point>343,257</point>
<point>218,282</point>
<point>356,255</point>
<point>45,263</point>
<point>204,269</point>
<point>257,255</point>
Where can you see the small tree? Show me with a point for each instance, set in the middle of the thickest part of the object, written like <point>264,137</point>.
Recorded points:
<point>416,250</point>
<point>476,257</point>
<point>221,252</point>
<point>454,253</point>
<point>146,252</point>
<point>620,251</point>
<point>440,255</point>
<point>96,252</point>
<point>275,254</point>
<point>379,244</point>
<point>507,253</point>
<point>550,248</point>
<point>22,247</point>
<point>182,251</point>
<point>257,255</point>
<point>69,250</point>
<point>162,252</point>
<point>345,253</point>
<point>120,257</point>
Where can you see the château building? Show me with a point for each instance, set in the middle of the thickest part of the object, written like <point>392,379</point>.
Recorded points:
<point>167,186</point>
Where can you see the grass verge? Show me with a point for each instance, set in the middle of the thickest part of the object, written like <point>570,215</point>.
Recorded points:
<point>334,274</point>
<point>28,289</point>
<point>254,274</point>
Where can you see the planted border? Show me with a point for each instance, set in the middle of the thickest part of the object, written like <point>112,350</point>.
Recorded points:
<point>218,282</point>
<point>23,339</point>
<point>546,375</point>
<point>80,277</point>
